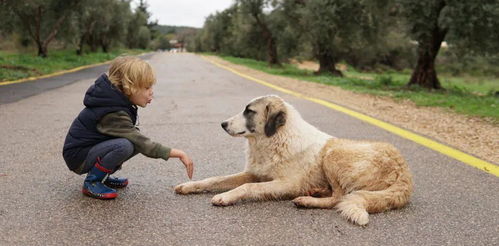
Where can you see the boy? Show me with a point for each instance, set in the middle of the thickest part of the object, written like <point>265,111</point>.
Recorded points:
<point>104,135</point>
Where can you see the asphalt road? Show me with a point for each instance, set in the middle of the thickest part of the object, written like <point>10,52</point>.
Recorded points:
<point>41,202</point>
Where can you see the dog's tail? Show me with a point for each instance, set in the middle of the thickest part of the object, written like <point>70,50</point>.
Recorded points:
<point>357,205</point>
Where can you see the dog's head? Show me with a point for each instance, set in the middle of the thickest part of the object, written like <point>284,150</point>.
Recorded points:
<point>263,115</point>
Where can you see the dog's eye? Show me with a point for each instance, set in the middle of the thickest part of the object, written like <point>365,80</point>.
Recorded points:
<point>249,111</point>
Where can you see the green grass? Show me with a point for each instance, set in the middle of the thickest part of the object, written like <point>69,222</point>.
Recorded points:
<point>15,66</point>
<point>464,95</point>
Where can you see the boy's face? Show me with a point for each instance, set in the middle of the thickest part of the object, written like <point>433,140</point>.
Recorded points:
<point>142,97</point>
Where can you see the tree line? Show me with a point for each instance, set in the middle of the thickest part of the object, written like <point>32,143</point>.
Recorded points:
<point>363,33</point>
<point>83,24</point>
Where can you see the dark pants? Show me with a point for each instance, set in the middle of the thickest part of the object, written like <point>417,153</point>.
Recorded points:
<point>112,153</point>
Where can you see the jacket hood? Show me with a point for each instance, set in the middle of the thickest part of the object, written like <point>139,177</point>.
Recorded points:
<point>104,94</point>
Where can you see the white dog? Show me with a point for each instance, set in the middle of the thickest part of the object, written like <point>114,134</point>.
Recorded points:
<point>289,158</point>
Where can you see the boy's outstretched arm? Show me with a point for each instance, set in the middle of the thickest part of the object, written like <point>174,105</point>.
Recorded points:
<point>119,124</point>
<point>185,159</point>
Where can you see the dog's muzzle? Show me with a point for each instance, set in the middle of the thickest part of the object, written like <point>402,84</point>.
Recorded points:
<point>225,126</point>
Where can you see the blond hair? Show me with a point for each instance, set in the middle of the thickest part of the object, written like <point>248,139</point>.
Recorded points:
<point>129,74</point>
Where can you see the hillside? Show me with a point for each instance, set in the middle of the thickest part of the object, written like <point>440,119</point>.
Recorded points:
<point>165,29</point>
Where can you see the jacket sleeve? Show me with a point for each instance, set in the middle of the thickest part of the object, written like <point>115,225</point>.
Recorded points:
<point>119,124</point>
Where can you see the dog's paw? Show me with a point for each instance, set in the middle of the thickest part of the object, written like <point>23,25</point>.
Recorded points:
<point>301,202</point>
<point>222,200</point>
<point>187,188</point>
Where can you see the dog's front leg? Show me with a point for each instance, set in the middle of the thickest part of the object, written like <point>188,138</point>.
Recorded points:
<point>221,183</point>
<point>256,191</point>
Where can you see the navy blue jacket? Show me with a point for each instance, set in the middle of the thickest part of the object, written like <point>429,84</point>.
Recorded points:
<point>101,98</point>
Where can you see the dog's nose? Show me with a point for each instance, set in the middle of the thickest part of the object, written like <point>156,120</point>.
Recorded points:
<point>224,124</point>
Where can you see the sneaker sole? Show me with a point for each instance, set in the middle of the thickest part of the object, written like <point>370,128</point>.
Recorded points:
<point>105,196</point>
<point>114,186</point>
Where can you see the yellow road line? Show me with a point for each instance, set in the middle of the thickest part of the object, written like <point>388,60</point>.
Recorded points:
<point>444,149</point>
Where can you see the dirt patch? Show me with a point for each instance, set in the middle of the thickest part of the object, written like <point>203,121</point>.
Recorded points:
<point>474,135</point>
<point>313,66</point>
<point>307,65</point>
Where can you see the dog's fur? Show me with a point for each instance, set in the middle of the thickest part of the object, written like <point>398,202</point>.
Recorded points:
<point>289,158</point>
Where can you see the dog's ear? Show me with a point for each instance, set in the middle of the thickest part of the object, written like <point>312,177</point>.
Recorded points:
<point>274,121</point>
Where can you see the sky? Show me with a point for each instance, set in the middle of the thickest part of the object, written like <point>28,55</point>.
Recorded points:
<point>183,12</point>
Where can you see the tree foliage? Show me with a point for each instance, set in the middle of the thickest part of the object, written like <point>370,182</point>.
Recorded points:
<point>81,23</point>
<point>98,24</point>
<point>253,10</point>
<point>330,25</point>
<point>366,34</point>
<point>469,25</point>
<point>41,19</point>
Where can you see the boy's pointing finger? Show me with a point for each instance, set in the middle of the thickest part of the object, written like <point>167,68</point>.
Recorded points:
<point>190,169</point>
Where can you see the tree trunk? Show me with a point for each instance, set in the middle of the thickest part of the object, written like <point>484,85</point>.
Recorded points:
<point>272,52</point>
<point>327,63</point>
<point>272,57</point>
<point>425,74</point>
<point>84,37</point>
<point>79,49</point>
<point>33,25</point>
<point>105,47</point>
<point>42,49</point>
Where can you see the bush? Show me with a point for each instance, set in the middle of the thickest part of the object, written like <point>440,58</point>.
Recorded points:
<point>384,80</point>
<point>456,63</point>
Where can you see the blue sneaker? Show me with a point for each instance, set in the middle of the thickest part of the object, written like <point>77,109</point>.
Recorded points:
<point>93,185</point>
<point>115,182</point>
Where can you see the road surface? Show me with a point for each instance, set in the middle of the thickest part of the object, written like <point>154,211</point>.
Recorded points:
<point>41,202</point>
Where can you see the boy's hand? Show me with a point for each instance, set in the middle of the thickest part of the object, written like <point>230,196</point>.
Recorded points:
<point>189,166</point>
<point>185,159</point>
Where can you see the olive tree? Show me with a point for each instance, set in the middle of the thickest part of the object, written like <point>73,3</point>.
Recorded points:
<point>471,25</point>
<point>254,9</point>
<point>330,26</point>
<point>42,19</point>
